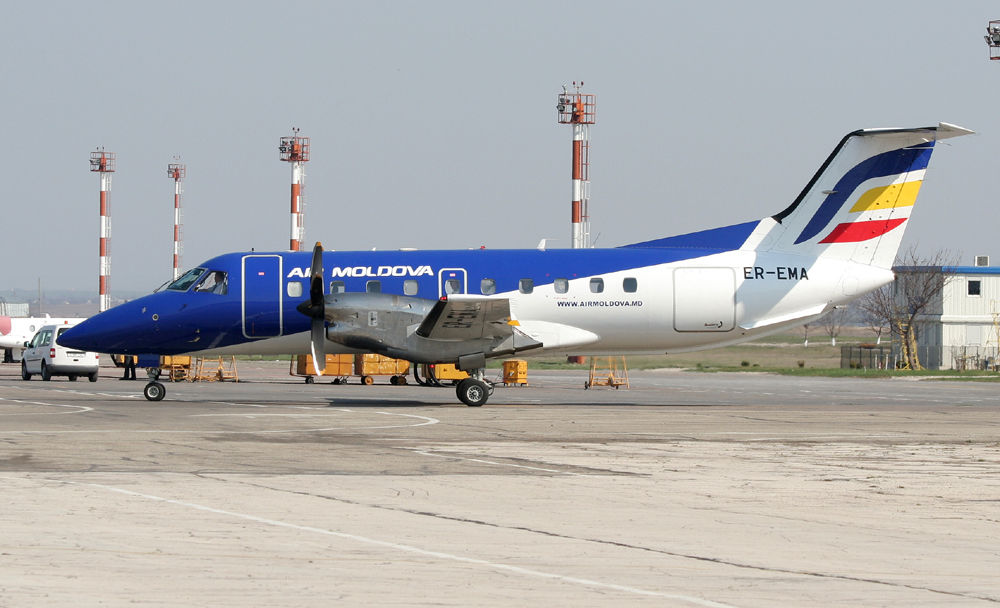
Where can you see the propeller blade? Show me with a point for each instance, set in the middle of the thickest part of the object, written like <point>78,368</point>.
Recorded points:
<point>317,336</point>
<point>315,308</point>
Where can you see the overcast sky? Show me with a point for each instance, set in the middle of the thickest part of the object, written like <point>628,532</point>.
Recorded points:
<point>433,124</point>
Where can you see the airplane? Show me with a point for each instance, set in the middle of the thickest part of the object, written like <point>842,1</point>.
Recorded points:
<point>836,241</point>
<point>15,331</point>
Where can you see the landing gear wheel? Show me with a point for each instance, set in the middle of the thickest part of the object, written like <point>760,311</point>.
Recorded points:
<point>154,391</point>
<point>472,392</point>
<point>46,374</point>
<point>24,372</point>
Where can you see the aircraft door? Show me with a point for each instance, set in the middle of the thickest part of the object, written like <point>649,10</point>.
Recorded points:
<point>452,280</point>
<point>262,302</point>
<point>704,299</point>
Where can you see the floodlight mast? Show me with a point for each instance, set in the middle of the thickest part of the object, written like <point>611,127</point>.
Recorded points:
<point>993,38</point>
<point>579,109</point>
<point>104,163</point>
<point>294,149</point>
<point>176,171</point>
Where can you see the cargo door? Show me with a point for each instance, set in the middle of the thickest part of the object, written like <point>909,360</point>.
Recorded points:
<point>262,302</point>
<point>704,299</point>
<point>451,280</point>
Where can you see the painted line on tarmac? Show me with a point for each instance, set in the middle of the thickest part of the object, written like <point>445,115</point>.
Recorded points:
<point>405,548</point>
<point>423,421</point>
<point>79,408</point>
<point>499,464</point>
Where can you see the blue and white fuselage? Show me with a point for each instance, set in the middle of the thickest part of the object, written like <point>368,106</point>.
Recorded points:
<point>726,285</point>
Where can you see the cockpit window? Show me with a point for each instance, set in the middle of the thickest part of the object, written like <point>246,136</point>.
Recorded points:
<point>215,281</point>
<point>186,280</point>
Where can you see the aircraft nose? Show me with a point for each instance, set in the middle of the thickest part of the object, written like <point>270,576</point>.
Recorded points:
<point>92,335</point>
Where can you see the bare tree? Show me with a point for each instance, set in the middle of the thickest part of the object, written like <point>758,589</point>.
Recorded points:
<point>919,282</point>
<point>833,322</point>
<point>877,311</point>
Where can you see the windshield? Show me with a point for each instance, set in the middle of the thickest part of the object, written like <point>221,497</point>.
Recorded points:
<point>186,280</point>
<point>215,281</point>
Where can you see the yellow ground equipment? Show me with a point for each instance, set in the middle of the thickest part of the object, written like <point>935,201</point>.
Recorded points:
<point>607,371</point>
<point>370,365</point>
<point>515,371</point>
<point>338,368</point>
<point>211,369</point>
<point>176,368</point>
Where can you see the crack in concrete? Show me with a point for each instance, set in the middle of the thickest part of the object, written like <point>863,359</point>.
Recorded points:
<point>701,558</point>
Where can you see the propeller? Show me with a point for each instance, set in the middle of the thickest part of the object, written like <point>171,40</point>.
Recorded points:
<point>314,308</point>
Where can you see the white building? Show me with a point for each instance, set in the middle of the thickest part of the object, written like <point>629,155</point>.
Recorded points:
<point>961,326</point>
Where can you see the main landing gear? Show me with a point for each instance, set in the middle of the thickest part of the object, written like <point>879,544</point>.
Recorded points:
<point>475,390</point>
<point>154,391</point>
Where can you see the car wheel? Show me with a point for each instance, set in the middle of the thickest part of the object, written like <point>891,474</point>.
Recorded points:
<point>46,374</point>
<point>92,377</point>
<point>72,377</point>
<point>24,372</point>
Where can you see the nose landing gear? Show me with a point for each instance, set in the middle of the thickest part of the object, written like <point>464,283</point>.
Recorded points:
<point>154,391</point>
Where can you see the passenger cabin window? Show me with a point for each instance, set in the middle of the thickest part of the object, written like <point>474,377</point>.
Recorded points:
<point>975,287</point>
<point>373,287</point>
<point>294,289</point>
<point>597,285</point>
<point>337,287</point>
<point>410,287</point>
<point>561,285</point>
<point>186,280</point>
<point>630,285</point>
<point>488,287</point>
<point>526,286</point>
<point>215,281</point>
<point>453,286</point>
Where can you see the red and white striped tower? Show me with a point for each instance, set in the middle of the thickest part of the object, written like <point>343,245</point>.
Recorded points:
<point>579,109</point>
<point>177,171</point>
<point>295,149</point>
<point>104,163</point>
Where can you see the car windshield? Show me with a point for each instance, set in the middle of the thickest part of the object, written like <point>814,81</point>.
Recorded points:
<point>186,280</point>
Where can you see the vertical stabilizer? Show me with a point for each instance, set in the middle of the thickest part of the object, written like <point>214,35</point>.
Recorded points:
<point>856,206</point>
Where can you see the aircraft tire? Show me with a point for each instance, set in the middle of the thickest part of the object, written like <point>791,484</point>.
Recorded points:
<point>46,374</point>
<point>472,392</point>
<point>154,391</point>
<point>24,372</point>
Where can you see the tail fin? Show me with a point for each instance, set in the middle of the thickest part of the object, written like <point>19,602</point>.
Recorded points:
<point>856,206</point>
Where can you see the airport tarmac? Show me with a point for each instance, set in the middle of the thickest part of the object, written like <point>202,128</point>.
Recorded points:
<point>688,489</point>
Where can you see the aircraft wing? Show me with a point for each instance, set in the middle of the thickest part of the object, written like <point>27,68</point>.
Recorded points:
<point>466,317</point>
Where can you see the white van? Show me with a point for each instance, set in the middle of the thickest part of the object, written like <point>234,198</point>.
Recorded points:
<point>43,355</point>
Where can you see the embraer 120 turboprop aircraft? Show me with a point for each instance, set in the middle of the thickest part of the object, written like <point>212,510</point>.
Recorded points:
<point>835,242</point>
